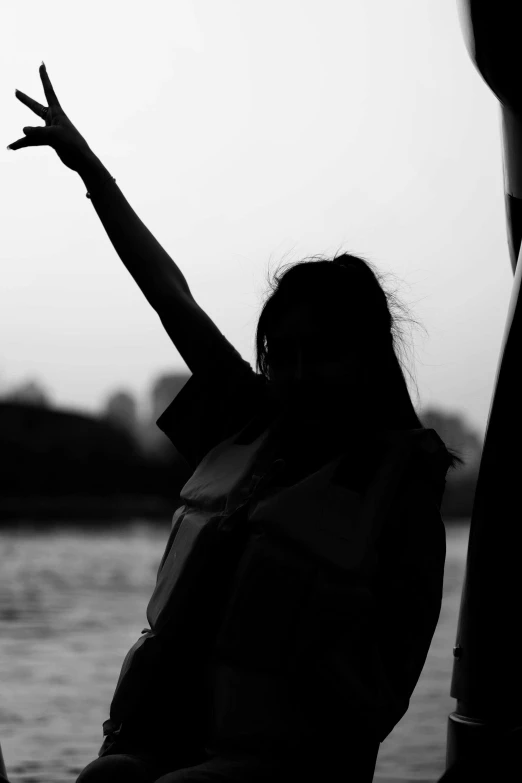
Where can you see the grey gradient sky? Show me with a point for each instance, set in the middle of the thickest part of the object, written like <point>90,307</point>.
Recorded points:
<point>245,134</point>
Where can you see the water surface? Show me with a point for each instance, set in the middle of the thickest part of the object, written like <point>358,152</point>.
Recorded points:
<point>73,601</point>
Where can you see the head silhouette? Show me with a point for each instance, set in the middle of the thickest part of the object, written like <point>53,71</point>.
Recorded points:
<point>326,343</point>
<point>320,330</point>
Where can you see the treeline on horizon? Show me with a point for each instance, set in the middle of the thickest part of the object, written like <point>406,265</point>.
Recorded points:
<point>63,465</point>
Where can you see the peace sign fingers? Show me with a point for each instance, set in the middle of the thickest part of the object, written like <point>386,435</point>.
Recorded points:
<point>53,103</point>
<point>58,131</point>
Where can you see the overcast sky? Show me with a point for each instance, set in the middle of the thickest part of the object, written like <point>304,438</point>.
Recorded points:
<point>246,134</point>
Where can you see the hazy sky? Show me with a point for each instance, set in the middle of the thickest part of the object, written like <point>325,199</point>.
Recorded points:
<point>245,134</point>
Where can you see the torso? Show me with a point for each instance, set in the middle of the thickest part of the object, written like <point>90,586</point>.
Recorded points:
<point>306,447</point>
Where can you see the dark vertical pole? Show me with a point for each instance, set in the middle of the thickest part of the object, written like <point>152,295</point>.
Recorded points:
<point>487,669</point>
<point>492,36</point>
<point>3,773</point>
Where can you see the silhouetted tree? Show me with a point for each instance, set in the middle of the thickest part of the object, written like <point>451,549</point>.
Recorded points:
<point>29,392</point>
<point>121,409</point>
<point>461,483</point>
<point>457,434</point>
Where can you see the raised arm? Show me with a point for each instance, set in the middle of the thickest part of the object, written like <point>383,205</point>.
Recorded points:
<point>191,330</point>
<point>163,284</point>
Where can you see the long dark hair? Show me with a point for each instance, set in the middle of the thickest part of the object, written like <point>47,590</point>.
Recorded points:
<point>351,286</point>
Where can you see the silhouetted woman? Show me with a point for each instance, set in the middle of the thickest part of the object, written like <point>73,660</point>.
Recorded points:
<point>302,579</point>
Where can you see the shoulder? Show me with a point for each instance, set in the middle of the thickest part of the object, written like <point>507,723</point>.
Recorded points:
<point>215,402</point>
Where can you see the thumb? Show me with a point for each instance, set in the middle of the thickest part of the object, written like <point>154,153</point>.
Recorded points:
<point>34,137</point>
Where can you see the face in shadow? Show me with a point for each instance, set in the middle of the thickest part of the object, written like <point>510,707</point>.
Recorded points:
<point>314,372</point>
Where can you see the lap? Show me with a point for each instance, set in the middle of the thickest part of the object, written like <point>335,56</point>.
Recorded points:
<point>222,769</point>
<point>126,768</point>
<point>302,768</point>
<point>235,768</point>
<point>119,768</point>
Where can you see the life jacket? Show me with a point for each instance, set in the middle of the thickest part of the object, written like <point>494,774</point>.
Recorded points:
<point>238,617</point>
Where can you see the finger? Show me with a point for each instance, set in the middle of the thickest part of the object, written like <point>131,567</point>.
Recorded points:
<point>30,102</point>
<point>52,100</point>
<point>35,137</point>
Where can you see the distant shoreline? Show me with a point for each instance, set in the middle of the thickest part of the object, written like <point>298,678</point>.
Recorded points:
<point>84,508</point>
<point>81,509</point>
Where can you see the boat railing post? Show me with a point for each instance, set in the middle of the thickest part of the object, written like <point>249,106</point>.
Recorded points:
<point>487,677</point>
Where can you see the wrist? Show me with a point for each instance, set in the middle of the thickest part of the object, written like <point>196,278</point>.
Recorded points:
<point>92,170</point>
<point>94,175</point>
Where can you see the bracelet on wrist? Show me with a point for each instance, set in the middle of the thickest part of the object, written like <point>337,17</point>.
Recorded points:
<point>108,179</point>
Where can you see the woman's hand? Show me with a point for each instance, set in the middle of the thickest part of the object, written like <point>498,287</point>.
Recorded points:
<point>58,132</point>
